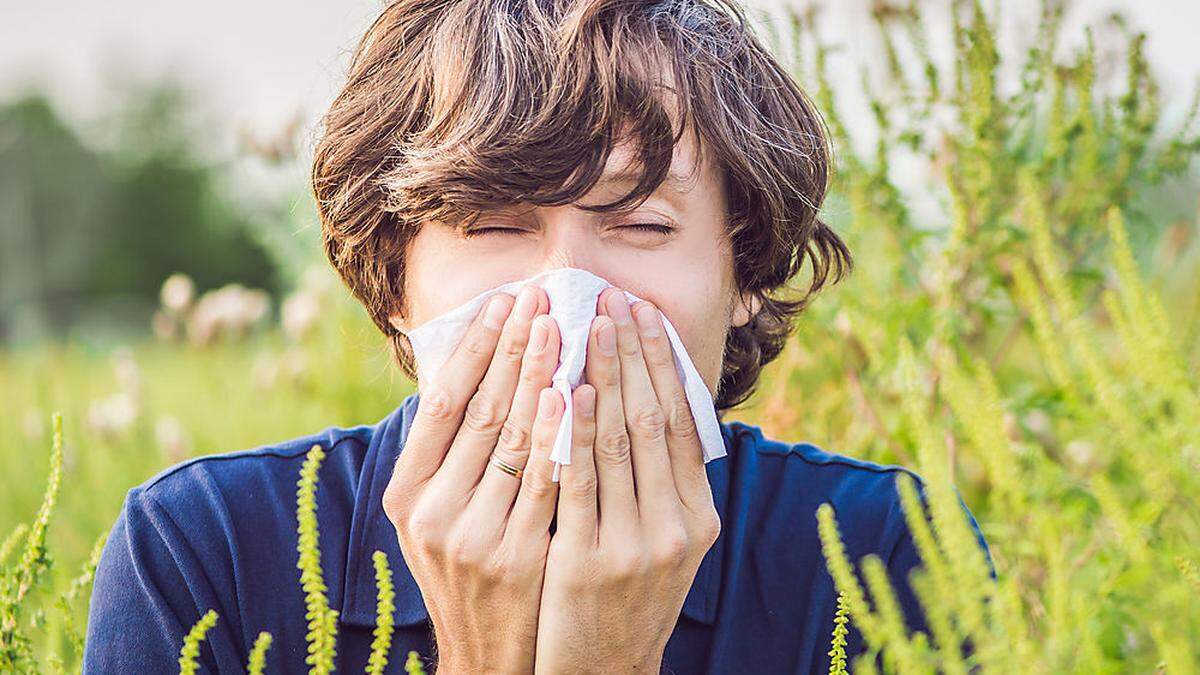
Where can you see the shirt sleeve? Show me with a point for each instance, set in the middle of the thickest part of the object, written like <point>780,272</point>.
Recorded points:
<point>144,601</point>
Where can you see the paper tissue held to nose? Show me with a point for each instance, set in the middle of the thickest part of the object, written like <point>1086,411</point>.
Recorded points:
<point>573,294</point>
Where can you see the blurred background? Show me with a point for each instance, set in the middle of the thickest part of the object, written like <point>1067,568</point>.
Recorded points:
<point>162,283</point>
<point>139,139</point>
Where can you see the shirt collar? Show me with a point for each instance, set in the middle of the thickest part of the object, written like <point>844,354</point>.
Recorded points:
<point>370,530</point>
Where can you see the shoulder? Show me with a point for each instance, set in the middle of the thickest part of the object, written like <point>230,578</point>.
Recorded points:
<point>256,474</point>
<point>800,476</point>
<point>225,511</point>
<point>774,491</point>
<point>211,533</point>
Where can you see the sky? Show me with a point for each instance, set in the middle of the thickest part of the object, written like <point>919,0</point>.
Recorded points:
<point>259,63</point>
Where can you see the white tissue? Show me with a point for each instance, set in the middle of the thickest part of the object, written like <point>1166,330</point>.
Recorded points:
<point>573,294</point>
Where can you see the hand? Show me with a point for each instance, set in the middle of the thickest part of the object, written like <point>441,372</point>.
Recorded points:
<point>635,509</point>
<point>475,537</point>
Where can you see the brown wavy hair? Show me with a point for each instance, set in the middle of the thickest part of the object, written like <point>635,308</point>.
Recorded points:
<point>452,107</point>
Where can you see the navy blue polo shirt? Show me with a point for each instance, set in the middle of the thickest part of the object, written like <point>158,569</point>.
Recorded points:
<point>219,532</point>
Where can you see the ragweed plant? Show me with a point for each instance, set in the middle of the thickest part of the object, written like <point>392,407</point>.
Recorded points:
<point>384,625</point>
<point>191,643</point>
<point>322,620</point>
<point>1102,563</point>
<point>837,644</point>
<point>258,654</point>
<point>16,653</point>
<point>1005,338</point>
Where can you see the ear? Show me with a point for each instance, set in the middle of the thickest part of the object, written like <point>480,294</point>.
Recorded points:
<point>744,308</point>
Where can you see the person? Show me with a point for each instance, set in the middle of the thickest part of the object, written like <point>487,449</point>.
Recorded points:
<point>657,144</point>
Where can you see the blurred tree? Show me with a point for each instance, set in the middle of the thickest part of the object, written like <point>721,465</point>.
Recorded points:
<point>87,235</point>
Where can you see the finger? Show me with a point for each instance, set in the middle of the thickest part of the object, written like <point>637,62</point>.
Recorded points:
<point>442,400</point>
<point>534,508</point>
<point>614,473</point>
<point>644,417</point>
<point>577,500</point>
<point>493,499</point>
<point>489,407</point>
<point>683,444</point>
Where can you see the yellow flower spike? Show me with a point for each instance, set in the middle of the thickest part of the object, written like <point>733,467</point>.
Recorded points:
<point>413,665</point>
<point>322,621</point>
<point>191,643</point>
<point>258,654</point>
<point>841,569</point>
<point>384,609</point>
<point>837,644</point>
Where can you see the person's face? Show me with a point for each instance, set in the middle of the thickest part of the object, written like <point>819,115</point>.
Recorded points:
<point>672,250</point>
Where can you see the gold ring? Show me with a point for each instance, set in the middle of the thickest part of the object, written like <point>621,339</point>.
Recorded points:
<point>506,467</point>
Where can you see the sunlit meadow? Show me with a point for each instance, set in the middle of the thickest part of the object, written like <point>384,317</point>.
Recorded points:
<point>1022,322</point>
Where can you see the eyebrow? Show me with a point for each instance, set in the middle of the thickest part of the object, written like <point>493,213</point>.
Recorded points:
<point>674,182</point>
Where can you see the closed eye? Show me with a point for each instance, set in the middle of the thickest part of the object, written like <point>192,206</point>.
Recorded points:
<point>476,231</point>
<point>650,227</point>
<point>656,228</point>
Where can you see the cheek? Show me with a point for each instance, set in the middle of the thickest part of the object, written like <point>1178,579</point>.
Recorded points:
<point>702,326</point>
<point>431,289</point>
<point>696,299</point>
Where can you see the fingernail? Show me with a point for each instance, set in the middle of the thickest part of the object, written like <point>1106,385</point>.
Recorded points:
<point>606,338</point>
<point>493,316</point>
<point>547,405</point>
<point>618,308</point>
<point>647,320</point>
<point>526,303</point>
<point>587,401</point>
<point>539,336</point>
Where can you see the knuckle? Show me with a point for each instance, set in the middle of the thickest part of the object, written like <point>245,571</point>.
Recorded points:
<point>530,378</point>
<point>502,567</point>
<point>514,438</point>
<point>511,351</point>
<point>477,346</point>
<point>534,376</point>
<point>629,348</point>
<point>659,355</point>
<point>393,506</point>
<point>625,565</point>
<point>463,550</point>
<point>580,486</point>
<point>680,423</point>
<point>649,420</point>
<point>670,546</point>
<point>537,487</point>
<point>710,527</point>
<point>605,377</point>
<point>424,528</point>
<point>613,447</point>
<point>436,404</point>
<point>484,413</point>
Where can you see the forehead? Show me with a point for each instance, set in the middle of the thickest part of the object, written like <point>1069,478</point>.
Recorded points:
<point>691,164</point>
<point>691,167</point>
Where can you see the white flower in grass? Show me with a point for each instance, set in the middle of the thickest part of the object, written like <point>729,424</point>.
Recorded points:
<point>265,371</point>
<point>230,311</point>
<point>177,293</point>
<point>171,438</point>
<point>129,376</point>
<point>113,416</point>
<point>299,313</point>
